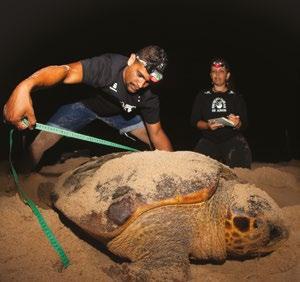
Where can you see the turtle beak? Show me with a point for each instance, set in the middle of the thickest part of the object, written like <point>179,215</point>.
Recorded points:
<point>277,235</point>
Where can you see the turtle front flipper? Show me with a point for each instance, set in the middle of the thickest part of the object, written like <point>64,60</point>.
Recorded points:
<point>168,265</point>
<point>158,244</point>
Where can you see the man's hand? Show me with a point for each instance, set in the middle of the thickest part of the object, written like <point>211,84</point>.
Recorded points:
<point>158,137</point>
<point>19,106</point>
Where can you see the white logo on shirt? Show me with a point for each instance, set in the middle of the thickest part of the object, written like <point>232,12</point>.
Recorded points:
<point>127,108</point>
<point>218,105</point>
<point>114,87</point>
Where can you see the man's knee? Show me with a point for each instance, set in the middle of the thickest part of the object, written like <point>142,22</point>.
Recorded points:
<point>142,134</point>
<point>206,147</point>
<point>239,158</point>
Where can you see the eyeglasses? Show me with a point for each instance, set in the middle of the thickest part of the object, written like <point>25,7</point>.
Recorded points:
<point>155,75</point>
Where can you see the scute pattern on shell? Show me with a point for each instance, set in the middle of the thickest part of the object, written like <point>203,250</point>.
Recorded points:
<point>75,181</point>
<point>108,190</point>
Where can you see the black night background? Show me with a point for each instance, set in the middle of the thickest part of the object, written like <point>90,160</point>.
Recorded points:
<point>260,39</point>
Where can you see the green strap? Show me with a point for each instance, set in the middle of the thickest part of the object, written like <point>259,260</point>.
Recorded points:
<point>71,134</point>
<point>55,244</point>
<point>49,234</point>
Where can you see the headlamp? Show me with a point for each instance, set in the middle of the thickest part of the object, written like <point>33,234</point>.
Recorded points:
<point>218,64</point>
<point>155,75</point>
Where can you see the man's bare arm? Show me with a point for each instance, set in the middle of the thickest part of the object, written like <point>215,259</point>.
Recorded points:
<point>158,137</point>
<point>19,104</point>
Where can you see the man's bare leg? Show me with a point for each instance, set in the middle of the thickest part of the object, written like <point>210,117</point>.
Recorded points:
<point>42,142</point>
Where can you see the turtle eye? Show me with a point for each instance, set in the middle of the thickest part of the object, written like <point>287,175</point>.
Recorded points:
<point>241,223</point>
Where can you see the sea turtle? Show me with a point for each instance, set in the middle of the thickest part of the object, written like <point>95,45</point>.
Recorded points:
<point>159,209</point>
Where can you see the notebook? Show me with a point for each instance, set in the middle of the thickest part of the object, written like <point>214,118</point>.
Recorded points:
<point>222,120</point>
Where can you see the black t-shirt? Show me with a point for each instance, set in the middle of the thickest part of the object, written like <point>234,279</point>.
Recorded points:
<point>209,105</point>
<point>106,73</point>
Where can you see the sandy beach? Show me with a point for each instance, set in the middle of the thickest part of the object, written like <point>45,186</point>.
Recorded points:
<point>26,254</point>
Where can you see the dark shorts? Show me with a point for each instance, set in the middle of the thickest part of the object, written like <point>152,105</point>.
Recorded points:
<point>76,116</point>
<point>234,152</point>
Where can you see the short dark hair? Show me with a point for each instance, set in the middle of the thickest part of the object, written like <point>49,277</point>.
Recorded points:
<point>154,56</point>
<point>220,61</point>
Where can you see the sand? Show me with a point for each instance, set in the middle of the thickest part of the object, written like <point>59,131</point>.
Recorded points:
<point>26,254</point>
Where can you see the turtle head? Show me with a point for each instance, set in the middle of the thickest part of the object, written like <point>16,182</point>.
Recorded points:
<point>253,223</point>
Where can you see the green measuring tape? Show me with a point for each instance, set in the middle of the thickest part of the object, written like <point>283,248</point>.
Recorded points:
<point>49,234</point>
<point>71,134</point>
